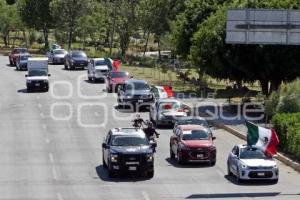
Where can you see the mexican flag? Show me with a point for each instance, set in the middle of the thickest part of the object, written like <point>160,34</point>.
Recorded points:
<point>263,138</point>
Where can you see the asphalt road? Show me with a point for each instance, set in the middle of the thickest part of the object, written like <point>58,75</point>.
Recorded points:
<point>50,146</point>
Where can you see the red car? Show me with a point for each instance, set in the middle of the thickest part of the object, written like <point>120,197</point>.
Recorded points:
<point>116,79</point>
<point>13,56</point>
<point>192,143</point>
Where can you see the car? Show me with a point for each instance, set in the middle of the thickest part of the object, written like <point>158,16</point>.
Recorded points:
<point>15,54</point>
<point>57,56</point>
<point>159,92</point>
<point>193,120</point>
<point>76,59</point>
<point>22,61</point>
<point>116,79</point>
<point>167,111</point>
<point>128,150</point>
<point>192,143</point>
<point>97,69</point>
<point>251,163</point>
<point>135,93</point>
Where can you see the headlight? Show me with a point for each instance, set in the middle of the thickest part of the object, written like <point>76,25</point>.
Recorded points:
<point>114,158</point>
<point>244,166</point>
<point>275,166</point>
<point>150,158</point>
<point>127,97</point>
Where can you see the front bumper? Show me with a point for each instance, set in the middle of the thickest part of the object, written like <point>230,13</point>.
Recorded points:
<point>198,155</point>
<point>259,174</point>
<point>79,64</point>
<point>38,84</point>
<point>58,60</point>
<point>23,66</point>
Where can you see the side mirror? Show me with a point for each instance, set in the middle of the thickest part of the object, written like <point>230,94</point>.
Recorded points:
<point>49,75</point>
<point>105,146</point>
<point>213,138</point>
<point>26,75</point>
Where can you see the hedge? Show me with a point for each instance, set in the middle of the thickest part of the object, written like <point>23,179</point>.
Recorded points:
<point>287,127</point>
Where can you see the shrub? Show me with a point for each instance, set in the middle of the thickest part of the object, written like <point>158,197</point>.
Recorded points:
<point>287,127</point>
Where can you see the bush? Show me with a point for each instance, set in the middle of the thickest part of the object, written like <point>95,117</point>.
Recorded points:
<point>287,127</point>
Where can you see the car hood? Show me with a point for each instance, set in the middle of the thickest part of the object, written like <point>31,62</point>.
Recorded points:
<point>80,59</point>
<point>138,92</point>
<point>173,113</point>
<point>197,143</point>
<point>131,149</point>
<point>258,162</point>
<point>37,78</point>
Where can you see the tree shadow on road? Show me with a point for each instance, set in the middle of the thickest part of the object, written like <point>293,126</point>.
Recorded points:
<point>132,177</point>
<point>174,163</point>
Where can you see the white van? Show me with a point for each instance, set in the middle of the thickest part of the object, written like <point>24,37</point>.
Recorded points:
<point>37,77</point>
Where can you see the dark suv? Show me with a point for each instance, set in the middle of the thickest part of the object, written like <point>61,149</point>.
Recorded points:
<point>76,59</point>
<point>128,150</point>
<point>135,92</point>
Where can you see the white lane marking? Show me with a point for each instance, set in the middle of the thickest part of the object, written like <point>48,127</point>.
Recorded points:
<point>51,158</point>
<point>59,196</point>
<point>42,115</point>
<point>47,140</point>
<point>145,195</point>
<point>54,173</point>
<point>40,106</point>
<point>44,126</point>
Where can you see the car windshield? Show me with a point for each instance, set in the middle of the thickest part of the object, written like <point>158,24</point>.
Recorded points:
<point>119,74</point>
<point>169,106</point>
<point>37,72</point>
<point>252,153</point>
<point>129,141</point>
<point>79,55</point>
<point>24,57</point>
<point>137,86</point>
<point>100,62</point>
<point>57,52</point>
<point>193,122</point>
<point>195,135</point>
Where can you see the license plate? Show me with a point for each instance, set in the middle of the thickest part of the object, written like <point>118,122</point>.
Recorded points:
<point>37,84</point>
<point>132,168</point>
<point>260,174</point>
<point>140,101</point>
<point>199,155</point>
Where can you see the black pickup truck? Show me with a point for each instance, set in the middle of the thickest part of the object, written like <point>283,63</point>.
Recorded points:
<point>128,150</point>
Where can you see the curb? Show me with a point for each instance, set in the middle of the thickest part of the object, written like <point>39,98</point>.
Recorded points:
<point>280,156</point>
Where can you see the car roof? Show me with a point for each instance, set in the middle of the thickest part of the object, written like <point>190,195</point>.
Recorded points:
<point>242,146</point>
<point>192,117</point>
<point>192,127</point>
<point>58,49</point>
<point>98,59</point>
<point>135,81</point>
<point>128,132</point>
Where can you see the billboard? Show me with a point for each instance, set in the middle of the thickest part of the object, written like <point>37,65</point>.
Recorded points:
<point>263,26</point>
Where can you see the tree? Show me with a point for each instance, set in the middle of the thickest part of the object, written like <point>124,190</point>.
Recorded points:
<point>268,64</point>
<point>69,13</point>
<point>37,15</point>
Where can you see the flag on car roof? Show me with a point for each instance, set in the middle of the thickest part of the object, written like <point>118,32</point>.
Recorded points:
<point>263,138</point>
<point>116,64</point>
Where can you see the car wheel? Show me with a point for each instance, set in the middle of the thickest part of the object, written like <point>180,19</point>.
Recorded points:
<point>212,162</point>
<point>150,174</point>
<point>103,162</point>
<point>111,173</point>
<point>109,90</point>
<point>172,154</point>
<point>275,181</point>
<point>66,66</point>
<point>179,159</point>
<point>238,179</point>
<point>229,173</point>
<point>28,90</point>
<point>10,63</point>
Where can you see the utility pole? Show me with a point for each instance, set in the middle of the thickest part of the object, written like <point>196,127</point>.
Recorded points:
<point>113,28</point>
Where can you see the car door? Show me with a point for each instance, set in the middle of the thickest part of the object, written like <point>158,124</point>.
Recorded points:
<point>234,159</point>
<point>105,150</point>
<point>176,140</point>
<point>90,68</point>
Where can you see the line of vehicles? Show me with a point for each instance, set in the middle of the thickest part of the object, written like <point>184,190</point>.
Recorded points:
<point>132,149</point>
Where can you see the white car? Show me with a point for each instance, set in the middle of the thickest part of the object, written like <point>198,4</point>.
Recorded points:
<point>251,163</point>
<point>98,69</point>
<point>159,92</point>
<point>167,111</point>
<point>57,56</point>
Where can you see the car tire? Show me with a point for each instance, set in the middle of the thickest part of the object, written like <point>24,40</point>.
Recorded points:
<point>238,179</point>
<point>275,181</point>
<point>29,90</point>
<point>179,159</point>
<point>66,66</point>
<point>229,173</point>
<point>212,162</point>
<point>172,154</point>
<point>109,90</point>
<point>103,162</point>
<point>150,174</point>
<point>111,173</point>
<point>10,63</point>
